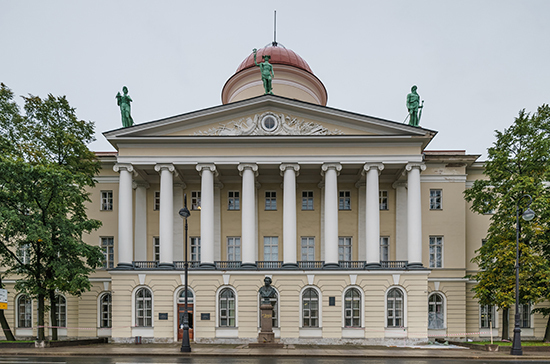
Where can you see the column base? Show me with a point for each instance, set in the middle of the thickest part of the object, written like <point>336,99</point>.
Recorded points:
<point>373,265</point>
<point>207,266</point>
<point>165,266</point>
<point>248,265</point>
<point>331,266</point>
<point>124,266</point>
<point>290,265</point>
<point>415,266</point>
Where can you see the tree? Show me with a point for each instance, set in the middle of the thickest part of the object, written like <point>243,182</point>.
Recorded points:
<point>44,173</point>
<point>518,164</point>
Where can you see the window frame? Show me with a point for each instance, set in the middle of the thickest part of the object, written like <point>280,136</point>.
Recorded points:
<point>61,316</point>
<point>308,240</point>
<point>270,240</point>
<point>195,200</point>
<point>307,200</point>
<point>108,204</point>
<point>347,249</point>
<point>102,312</point>
<point>239,246</point>
<point>27,314</point>
<point>403,316</point>
<point>23,252</point>
<point>525,316</point>
<point>219,308</point>
<point>108,251</point>
<point>436,201</point>
<point>156,248</point>
<point>234,200</point>
<point>491,312</point>
<point>442,305</point>
<point>270,201</point>
<point>156,201</point>
<point>383,198</point>
<point>145,309</point>
<point>344,200</point>
<point>302,308</point>
<point>195,249</point>
<point>360,298</point>
<point>384,247</point>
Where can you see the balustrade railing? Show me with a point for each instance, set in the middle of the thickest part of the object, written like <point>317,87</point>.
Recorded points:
<point>311,264</point>
<point>399,264</point>
<point>262,264</point>
<point>303,264</point>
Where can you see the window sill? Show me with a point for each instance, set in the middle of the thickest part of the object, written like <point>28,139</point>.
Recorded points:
<point>145,331</point>
<point>395,332</point>
<point>353,332</point>
<point>311,332</point>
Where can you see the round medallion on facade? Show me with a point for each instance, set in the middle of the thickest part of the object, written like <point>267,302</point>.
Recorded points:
<point>269,123</point>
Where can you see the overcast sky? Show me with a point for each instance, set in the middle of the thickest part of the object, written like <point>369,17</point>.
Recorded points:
<point>476,63</point>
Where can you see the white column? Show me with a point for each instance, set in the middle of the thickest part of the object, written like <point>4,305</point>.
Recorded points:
<point>178,221</point>
<point>373,170</point>
<point>207,172</point>
<point>289,173</point>
<point>361,220</point>
<point>125,238</point>
<point>331,171</point>
<point>166,219</point>
<point>248,214</point>
<point>400,220</point>
<point>140,226</point>
<point>414,215</point>
<point>218,186</point>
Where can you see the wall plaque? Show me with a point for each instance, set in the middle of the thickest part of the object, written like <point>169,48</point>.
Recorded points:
<point>163,316</point>
<point>332,301</point>
<point>205,316</point>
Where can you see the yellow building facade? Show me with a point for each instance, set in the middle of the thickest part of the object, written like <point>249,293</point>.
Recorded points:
<point>364,232</point>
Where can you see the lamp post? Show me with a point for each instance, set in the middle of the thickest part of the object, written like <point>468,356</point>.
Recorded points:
<point>526,215</point>
<point>185,346</point>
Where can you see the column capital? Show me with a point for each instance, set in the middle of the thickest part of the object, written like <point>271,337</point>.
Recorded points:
<point>181,185</point>
<point>218,185</point>
<point>368,166</point>
<point>326,166</point>
<point>210,166</point>
<point>295,166</point>
<point>252,166</point>
<point>136,184</point>
<point>123,166</point>
<point>398,184</point>
<point>421,166</point>
<point>169,167</point>
<point>360,184</point>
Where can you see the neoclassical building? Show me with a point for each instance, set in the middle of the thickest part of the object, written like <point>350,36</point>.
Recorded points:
<point>364,232</point>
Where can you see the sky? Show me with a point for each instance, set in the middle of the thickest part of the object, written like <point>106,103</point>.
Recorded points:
<point>476,63</point>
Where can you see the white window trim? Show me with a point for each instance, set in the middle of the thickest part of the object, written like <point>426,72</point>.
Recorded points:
<point>444,304</point>
<point>404,292</point>
<point>103,331</point>
<point>440,197</point>
<point>217,326</point>
<point>107,252</point>
<point>442,251</point>
<point>362,307</point>
<point>177,293</point>
<point>389,246</point>
<point>16,305</point>
<point>496,319</point>
<point>134,307</point>
<point>61,332</point>
<point>154,200</point>
<point>320,308</point>
<point>101,200</point>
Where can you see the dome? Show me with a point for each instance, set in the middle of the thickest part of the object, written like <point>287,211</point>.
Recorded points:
<point>293,78</point>
<point>279,55</point>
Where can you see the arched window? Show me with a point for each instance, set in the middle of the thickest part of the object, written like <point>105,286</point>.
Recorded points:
<point>436,318</point>
<point>310,308</point>
<point>24,311</point>
<point>275,303</point>
<point>144,307</point>
<point>227,308</point>
<point>105,310</point>
<point>394,311</point>
<point>181,298</point>
<point>61,311</point>
<point>352,308</point>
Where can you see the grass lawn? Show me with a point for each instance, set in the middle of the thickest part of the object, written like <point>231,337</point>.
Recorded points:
<point>505,343</point>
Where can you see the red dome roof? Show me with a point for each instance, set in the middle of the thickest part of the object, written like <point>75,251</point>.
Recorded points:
<point>279,55</point>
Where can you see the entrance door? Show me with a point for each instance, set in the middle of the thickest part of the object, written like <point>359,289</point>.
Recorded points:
<point>181,308</point>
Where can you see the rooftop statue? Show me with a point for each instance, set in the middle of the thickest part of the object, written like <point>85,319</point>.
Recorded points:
<point>267,72</point>
<point>414,107</point>
<point>124,102</point>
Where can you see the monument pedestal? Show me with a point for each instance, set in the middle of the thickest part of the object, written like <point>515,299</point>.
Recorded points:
<point>266,337</point>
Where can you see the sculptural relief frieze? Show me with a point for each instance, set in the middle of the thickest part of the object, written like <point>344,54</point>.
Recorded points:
<point>269,124</point>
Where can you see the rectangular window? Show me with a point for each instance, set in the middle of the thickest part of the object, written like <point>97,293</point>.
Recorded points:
<point>156,248</point>
<point>344,202</point>
<point>270,200</point>
<point>234,249</point>
<point>233,202</point>
<point>435,200</point>
<point>524,316</point>
<point>344,248</point>
<point>108,247</point>
<point>106,200</point>
<point>384,248</point>
<point>271,248</point>
<point>486,316</point>
<point>308,248</point>
<point>195,200</point>
<point>436,251</point>
<point>23,253</point>
<point>195,249</point>
<point>307,200</point>
<point>156,203</point>
<point>383,197</point>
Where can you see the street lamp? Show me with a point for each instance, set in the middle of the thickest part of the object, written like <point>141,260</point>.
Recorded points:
<point>526,215</point>
<point>185,346</point>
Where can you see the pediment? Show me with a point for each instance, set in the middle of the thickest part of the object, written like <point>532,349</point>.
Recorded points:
<point>268,116</point>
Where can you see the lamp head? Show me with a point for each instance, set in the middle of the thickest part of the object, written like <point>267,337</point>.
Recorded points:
<point>184,212</point>
<point>528,214</point>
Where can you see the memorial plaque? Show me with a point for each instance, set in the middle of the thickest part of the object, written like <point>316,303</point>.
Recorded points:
<point>205,316</point>
<point>332,301</point>
<point>163,316</point>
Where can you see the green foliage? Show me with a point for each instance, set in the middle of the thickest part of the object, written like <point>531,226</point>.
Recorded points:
<point>45,169</point>
<point>518,164</point>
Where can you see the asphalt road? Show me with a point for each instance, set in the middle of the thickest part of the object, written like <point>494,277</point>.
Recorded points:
<point>240,360</point>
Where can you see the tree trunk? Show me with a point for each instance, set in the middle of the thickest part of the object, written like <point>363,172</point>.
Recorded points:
<point>41,335</point>
<point>547,332</point>
<point>53,314</point>
<point>5,325</point>
<point>505,325</point>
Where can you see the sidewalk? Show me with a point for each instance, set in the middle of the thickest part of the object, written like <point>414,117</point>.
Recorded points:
<point>288,351</point>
